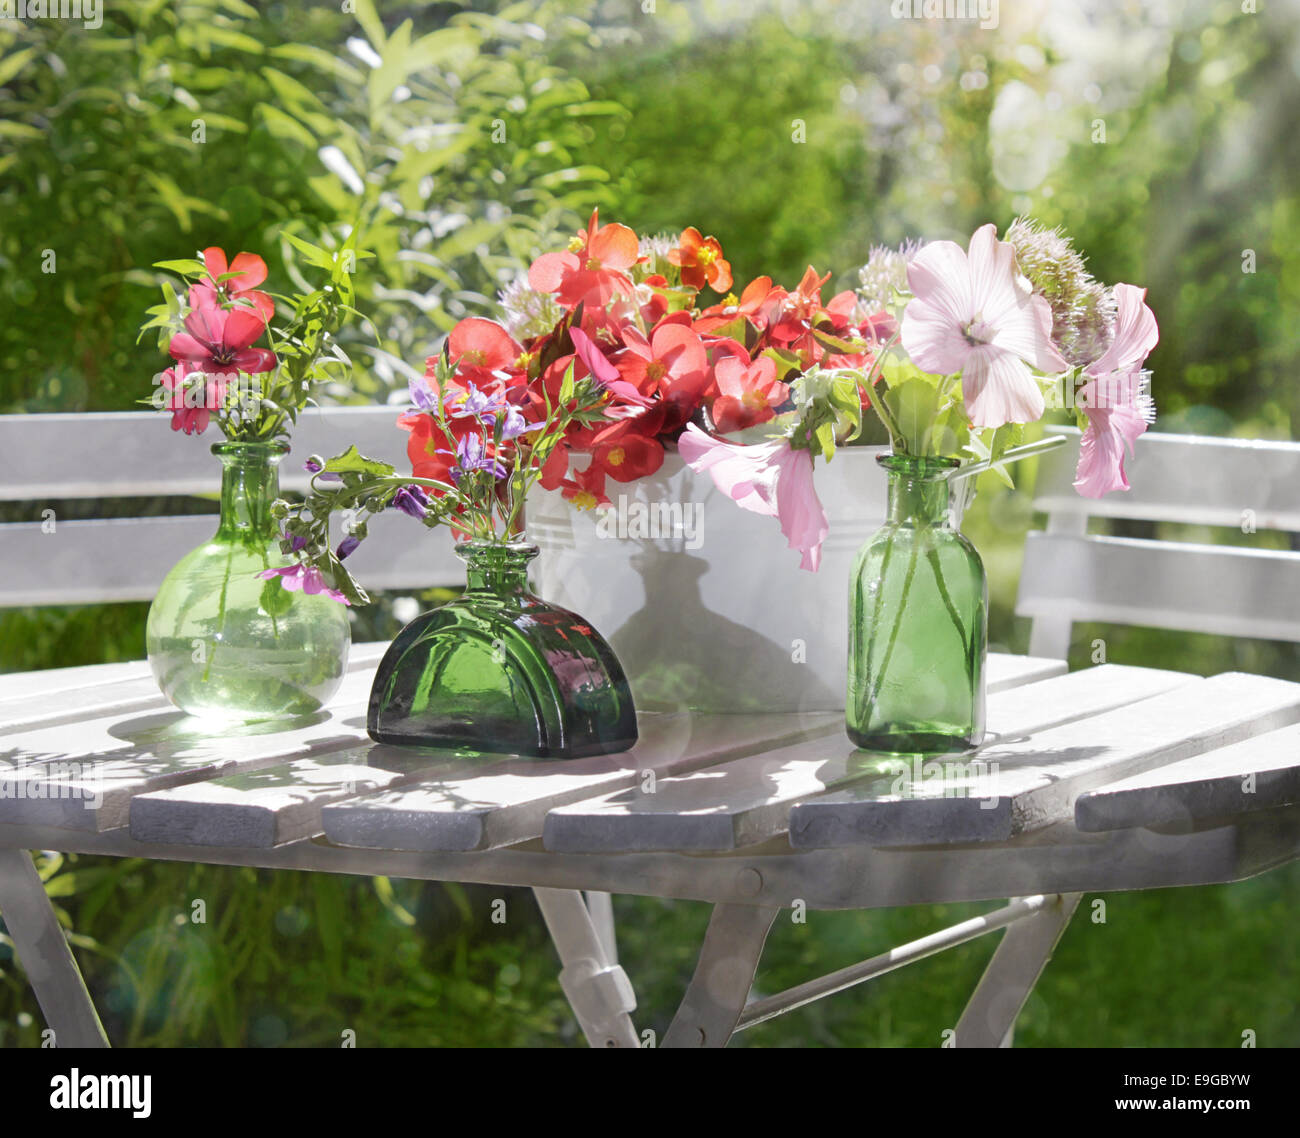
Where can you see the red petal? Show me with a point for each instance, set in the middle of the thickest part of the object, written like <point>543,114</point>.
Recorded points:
<point>243,326</point>
<point>484,337</point>
<point>615,246</point>
<point>214,260</point>
<point>255,360</point>
<point>185,347</point>
<point>252,270</point>
<point>548,271</point>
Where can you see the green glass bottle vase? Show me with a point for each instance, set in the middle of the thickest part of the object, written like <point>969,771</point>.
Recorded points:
<point>498,670</point>
<point>224,643</point>
<point>918,622</point>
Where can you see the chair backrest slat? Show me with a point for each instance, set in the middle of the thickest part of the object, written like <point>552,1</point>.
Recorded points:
<point>125,559</point>
<point>135,454</point>
<point>1185,478</point>
<point>1232,590</point>
<point>48,458</point>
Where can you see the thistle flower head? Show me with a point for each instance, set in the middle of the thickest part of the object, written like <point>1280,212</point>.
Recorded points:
<point>527,313</point>
<point>655,249</point>
<point>1083,309</point>
<point>884,275</point>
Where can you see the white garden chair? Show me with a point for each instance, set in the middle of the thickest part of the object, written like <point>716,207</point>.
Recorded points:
<point>1243,589</point>
<point>49,459</point>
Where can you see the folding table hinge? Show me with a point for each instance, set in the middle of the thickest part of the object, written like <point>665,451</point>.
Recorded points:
<point>598,992</point>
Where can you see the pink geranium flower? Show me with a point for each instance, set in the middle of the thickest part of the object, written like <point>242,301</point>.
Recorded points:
<point>219,340</point>
<point>766,478</point>
<point>594,269</point>
<point>1114,399</point>
<point>191,403</point>
<point>974,314</point>
<point>252,272</point>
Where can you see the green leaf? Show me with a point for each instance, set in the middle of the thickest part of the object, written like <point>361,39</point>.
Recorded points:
<point>320,59</point>
<point>185,266</point>
<point>370,24</point>
<point>352,461</point>
<point>839,344</point>
<point>12,64</point>
<point>275,599</point>
<point>825,435</point>
<point>915,404</point>
<point>314,254</point>
<point>11,129</point>
<point>285,126</point>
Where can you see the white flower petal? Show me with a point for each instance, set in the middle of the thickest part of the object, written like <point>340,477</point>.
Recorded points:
<point>939,274</point>
<point>998,389</point>
<point>933,341</point>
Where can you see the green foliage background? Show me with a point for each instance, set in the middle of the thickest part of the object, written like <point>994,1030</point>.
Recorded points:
<point>461,138</point>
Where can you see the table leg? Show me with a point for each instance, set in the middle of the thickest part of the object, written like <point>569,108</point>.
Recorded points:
<point>1027,946</point>
<point>723,976</point>
<point>598,990</point>
<point>45,955</point>
<point>601,908</point>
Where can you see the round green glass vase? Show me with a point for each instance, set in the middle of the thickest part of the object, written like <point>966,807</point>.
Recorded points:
<point>918,622</point>
<point>497,670</point>
<point>222,642</point>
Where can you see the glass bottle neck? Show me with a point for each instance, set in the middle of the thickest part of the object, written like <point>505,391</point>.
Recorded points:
<point>918,490</point>
<point>496,568</point>
<point>250,483</point>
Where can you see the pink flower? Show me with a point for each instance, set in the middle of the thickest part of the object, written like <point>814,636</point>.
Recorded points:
<point>973,314</point>
<point>593,270</point>
<point>219,340</point>
<point>767,478</point>
<point>304,578</point>
<point>747,394</point>
<point>190,399</point>
<point>1136,333</point>
<point>1115,399</point>
<point>251,270</point>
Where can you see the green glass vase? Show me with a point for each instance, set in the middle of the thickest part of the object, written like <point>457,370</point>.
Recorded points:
<point>498,670</point>
<point>224,643</point>
<point>918,622</point>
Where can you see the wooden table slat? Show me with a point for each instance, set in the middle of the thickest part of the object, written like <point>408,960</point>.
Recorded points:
<point>1256,774</point>
<point>83,775</point>
<point>746,802</point>
<point>1034,782</point>
<point>130,691</point>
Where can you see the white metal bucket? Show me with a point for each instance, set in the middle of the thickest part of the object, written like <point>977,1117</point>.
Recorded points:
<point>705,603</point>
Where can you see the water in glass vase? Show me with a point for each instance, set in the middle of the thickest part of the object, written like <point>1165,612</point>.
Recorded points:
<point>918,631</point>
<point>499,670</point>
<point>222,642</point>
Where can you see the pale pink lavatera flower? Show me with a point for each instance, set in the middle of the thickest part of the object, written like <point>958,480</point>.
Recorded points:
<point>765,478</point>
<point>1114,399</point>
<point>973,313</point>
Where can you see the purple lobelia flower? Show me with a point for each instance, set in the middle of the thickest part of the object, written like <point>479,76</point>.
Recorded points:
<point>474,404</point>
<point>412,500</point>
<point>514,425</point>
<point>311,466</point>
<point>422,394</point>
<point>471,455</point>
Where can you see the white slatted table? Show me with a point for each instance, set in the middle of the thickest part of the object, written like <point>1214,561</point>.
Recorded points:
<point>1107,779</point>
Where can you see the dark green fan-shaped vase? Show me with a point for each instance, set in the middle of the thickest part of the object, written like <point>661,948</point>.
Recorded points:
<point>498,670</point>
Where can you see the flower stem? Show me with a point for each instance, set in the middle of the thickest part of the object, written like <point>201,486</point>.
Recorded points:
<point>898,622</point>
<point>932,556</point>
